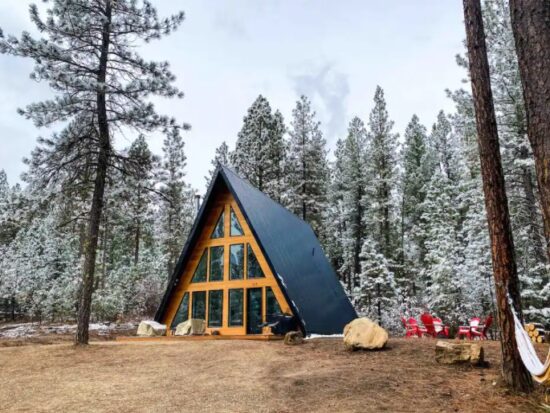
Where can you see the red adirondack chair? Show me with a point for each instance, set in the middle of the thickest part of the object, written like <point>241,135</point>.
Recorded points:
<point>420,331</point>
<point>428,321</point>
<point>411,330</point>
<point>466,331</point>
<point>440,328</point>
<point>481,330</point>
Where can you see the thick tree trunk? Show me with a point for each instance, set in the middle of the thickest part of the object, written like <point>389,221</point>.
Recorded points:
<point>496,202</point>
<point>99,190</point>
<point>531,27</point>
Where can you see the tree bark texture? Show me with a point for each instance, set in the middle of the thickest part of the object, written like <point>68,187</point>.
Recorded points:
<point>84,308</point>
<point>531,27</point>
<point>496,202</point>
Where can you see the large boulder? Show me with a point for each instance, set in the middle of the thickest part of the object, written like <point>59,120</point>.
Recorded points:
<point>193,326</point>
<point>364,334</point>
<point>151,329</point>
<point>459,353</point>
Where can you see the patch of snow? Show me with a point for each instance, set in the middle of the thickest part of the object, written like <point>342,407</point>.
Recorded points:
<point>22,330</point>
<point>311,336</point>
<point>282,280</point>
<point>34,329</point>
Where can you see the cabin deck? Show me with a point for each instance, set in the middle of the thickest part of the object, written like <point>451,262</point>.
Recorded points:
<point>256,337</point>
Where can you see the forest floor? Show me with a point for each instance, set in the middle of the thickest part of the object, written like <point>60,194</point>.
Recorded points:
<point>248,376</point>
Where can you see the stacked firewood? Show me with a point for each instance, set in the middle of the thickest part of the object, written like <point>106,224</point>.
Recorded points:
<point>536,332</point>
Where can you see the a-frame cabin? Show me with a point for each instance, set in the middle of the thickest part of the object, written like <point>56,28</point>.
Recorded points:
<point>247,259</point>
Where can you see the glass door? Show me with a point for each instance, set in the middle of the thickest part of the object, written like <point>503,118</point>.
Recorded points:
<point>253,311</point>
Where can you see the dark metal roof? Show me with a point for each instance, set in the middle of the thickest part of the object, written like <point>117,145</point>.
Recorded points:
<point>292,251</point>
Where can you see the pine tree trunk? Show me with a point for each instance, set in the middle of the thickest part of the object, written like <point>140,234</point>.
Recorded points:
<point>496,202</point>
<point>90,253</point>
<point>531,27</point>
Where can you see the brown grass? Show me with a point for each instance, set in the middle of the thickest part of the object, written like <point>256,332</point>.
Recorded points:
<point>247,376</point>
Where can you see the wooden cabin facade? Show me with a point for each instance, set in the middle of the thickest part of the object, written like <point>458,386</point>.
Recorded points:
<point>226,280</point>
<point>247,260</point>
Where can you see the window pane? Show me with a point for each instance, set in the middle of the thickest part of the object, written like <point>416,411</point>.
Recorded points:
<point>215,308</point>
<point>254,310</point>
<point>272,305</point>
<point>236,262</point>
<point>218,229</point>
<point>199,305</point>
<point>200,272</point>
<point>236,307</point>
<point>253,267</point>
<point>183,312</point>
<point>216,263</point>
<point>236,228</point>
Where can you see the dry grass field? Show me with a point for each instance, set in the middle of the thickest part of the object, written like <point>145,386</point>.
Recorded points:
<point>247,376</point>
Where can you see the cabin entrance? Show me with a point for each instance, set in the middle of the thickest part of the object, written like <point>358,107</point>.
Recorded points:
<point>254,310</point>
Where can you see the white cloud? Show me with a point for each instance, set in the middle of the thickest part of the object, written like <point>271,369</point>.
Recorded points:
<point>328,89</point>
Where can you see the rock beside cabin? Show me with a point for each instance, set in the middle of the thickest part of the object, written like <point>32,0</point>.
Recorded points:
<point>151,329</point>
<point>364,334</point>
<point>193,326</point>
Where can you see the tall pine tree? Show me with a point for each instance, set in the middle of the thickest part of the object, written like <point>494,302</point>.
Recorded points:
<point>307,170</point>
<point>88,58</point>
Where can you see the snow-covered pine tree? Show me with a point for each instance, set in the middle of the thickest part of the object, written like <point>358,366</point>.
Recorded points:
<point>10,210</point>
<point>260,148</point>
<point>307,172</point>
<point>418,165</point>
<point>475,268</point>
<point>41,268</point>
<point>138,197</point>
<point>88,58</point>
<point>353,186</point>
<point>447,149</point>
<point>177,207</point>
<point>442,286</point>
<point>276,153</point>
<point>248,158</point>
<point>376,295</point>
<point>382,216</point>
<point>221,157</point>
<point>334,218</point>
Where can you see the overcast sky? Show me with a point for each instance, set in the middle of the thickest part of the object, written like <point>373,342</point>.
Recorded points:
<point>228,52</point>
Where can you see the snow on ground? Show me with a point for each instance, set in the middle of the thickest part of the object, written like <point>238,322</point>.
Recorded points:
<point>311,336</point>
<point>34,329</point>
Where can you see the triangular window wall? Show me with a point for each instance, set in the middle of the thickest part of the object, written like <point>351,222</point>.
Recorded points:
<point>218,229</point>
<point>236,229</point>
